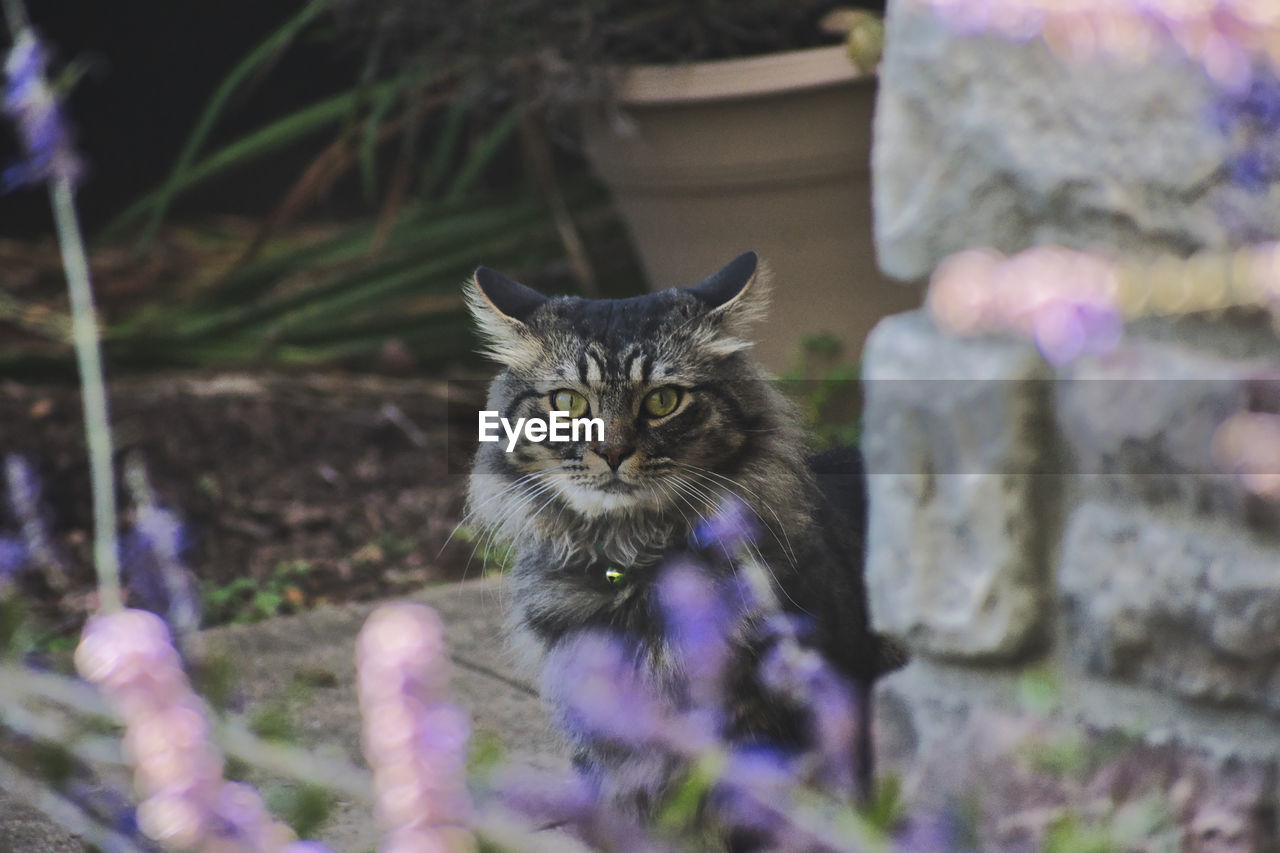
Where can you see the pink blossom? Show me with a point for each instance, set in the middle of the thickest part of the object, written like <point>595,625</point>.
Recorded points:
<point>414,737</point>
<point>186,804</point>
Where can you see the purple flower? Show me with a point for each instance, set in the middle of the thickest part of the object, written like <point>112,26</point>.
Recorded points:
<point>1250,119</point>
<point>178,772</point>
<point>752,777</point>
<point>152,569</point>
<point>34,108</point>
<point>414,737</point>
<point>24,501</point>
<point>699,621</point>
<point>731,527</point>
<point>13,557</point>
<point>575,802</point>
<point>1065,330</point>
<point>594,679</point>
<point>931,832</point>
<point>806,678</point>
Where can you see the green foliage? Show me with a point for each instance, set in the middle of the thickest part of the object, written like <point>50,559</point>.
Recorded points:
<point>1040,690</point>
<point>273,722</point>
<point>683,804</point>
<point>24,631</point>
<point>828,391</point>
<point>214,677</point>
<point>1059,757</point>
<point>1145,823</point>
<point>494,556</point>
<point>304,807</point>
<point>242,599</point>
<point>450,201</point>
<point>13,622</point>
<point>258,58</point>
<point>55,762</point>
<point>887,807</point>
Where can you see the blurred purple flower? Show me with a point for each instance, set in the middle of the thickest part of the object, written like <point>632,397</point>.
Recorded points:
<point>1066,330</point>
<point>1247,445</point>
<point>1250,119</point>
<point>1063,300</point>
<point>932,832</point>
<point>699,622</point>
<point>731,527</point>
<point>572,801</point>
<point>23,490</point>
<point>754,776</point>
<point>414,737</point>
<point>178,772</point>
<point>153,571</point>
<point>806,678</point>
<point>32,105</point>
<point>594,680</point>
<point>13,557</point>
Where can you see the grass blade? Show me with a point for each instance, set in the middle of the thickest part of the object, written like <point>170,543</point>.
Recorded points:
<point>257,57</point>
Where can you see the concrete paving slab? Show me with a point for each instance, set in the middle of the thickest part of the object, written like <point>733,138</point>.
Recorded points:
<point>306,665</point>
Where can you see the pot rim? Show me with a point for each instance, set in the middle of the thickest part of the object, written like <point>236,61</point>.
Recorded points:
<point>725,79</point>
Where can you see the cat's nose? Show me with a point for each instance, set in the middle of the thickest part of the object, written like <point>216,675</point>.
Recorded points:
<point>614,454</point>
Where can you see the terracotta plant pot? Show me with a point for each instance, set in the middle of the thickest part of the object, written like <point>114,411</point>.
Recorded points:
<point>771,153</point>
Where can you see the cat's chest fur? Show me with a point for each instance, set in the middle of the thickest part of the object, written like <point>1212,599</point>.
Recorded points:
<point>579,573</point>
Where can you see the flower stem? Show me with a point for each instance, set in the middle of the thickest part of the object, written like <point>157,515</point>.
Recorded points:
<point>84,335</point>
<point>62,811</point>
<point>15,16</point>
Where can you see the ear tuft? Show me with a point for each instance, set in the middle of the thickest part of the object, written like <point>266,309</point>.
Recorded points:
<point>500,307</point>
<point>736,297</point>
<point>726,284</point>
<point>507,296</point>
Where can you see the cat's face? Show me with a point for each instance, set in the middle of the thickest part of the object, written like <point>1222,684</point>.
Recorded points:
<point>664,374</point>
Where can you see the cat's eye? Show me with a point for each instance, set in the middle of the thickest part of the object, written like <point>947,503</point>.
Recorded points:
<point>569,401</point>
<point>662,402</point>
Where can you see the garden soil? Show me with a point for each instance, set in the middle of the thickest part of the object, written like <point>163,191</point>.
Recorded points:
<point>315,489</point>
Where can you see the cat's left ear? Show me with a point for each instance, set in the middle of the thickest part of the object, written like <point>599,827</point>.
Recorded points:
<point>501,307</point>
<point>736,296</point>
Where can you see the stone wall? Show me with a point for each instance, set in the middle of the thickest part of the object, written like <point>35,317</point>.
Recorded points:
<point>1093,611</point>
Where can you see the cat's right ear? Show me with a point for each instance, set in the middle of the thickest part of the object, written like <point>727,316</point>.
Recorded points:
<point>501,308</point>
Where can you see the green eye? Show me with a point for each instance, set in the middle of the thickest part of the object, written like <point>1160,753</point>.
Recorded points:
<point>569,401</point>
<point>662,401</point>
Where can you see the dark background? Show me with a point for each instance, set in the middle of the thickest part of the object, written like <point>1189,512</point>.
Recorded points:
<point>151,66</point>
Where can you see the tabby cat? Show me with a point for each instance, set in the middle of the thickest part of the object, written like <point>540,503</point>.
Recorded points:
<point>689,419</point>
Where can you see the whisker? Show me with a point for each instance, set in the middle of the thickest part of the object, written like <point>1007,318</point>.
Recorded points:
<point>475,509</point>
<point>785,541</point>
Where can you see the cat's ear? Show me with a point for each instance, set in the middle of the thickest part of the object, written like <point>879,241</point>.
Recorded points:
<point>501,308</point>
<point>736,297</point>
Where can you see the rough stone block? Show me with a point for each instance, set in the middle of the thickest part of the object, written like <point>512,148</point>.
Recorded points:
<point>1022,776</point>
<point>1140,421</point>
<point>985,142</point>
<point>953,436</point>
<point>1170,604</point>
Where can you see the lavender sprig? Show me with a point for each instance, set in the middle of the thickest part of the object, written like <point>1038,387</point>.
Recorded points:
<point>31,102</point>
<point>186,802</point>
<point>414,737</point>
<point>33,107</point>
<point>23,491</point>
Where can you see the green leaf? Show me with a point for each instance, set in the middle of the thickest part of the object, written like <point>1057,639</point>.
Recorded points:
<point>272,722</point>
<point>246,68</point>
<point>257,143</point>
<point>267,602</point>
<point>304,807</point>
<point>483,154</point>
<point>446,143</point>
